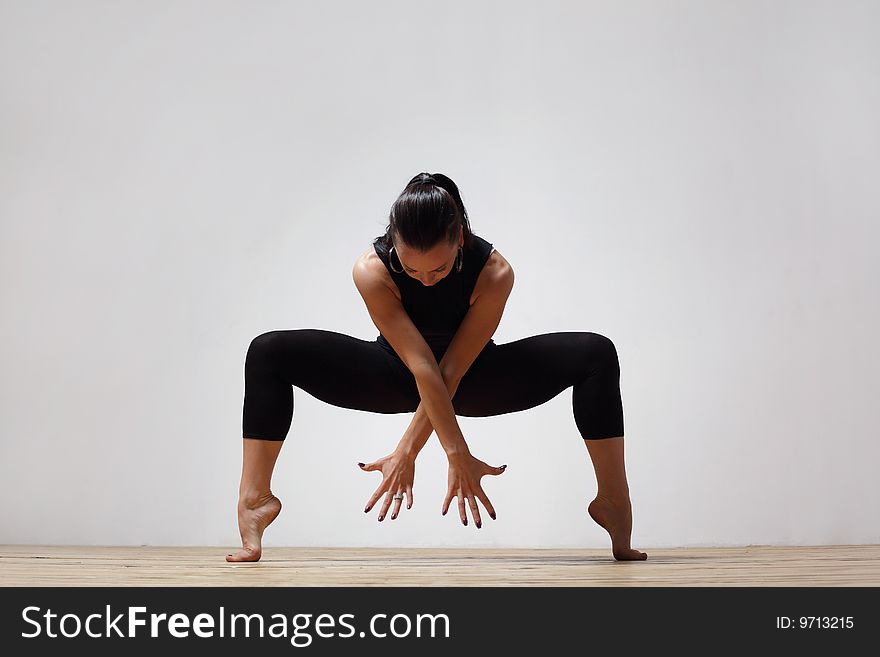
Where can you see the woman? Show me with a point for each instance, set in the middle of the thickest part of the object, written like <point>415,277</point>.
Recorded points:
<point>436,292</point>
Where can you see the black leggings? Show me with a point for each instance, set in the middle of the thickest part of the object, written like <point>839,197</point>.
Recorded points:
<point>360,374</point>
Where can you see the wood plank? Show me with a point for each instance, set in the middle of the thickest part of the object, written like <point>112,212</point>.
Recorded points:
<point>839,565</point>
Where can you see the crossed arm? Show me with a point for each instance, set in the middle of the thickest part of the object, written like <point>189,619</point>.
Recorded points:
<point>437,384</point>
<point>477,327</point>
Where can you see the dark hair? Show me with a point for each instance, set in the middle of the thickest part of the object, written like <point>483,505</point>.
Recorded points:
<point>428,211</point>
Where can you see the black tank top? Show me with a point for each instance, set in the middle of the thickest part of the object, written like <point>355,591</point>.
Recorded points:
<point>437,310</point>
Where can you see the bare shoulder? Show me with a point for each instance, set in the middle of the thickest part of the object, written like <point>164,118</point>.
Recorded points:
<point>496,275</point>
<point>369,267</point>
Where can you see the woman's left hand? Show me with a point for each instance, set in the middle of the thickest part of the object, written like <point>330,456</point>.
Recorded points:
<point>398,473</point>
<point>465,473</point>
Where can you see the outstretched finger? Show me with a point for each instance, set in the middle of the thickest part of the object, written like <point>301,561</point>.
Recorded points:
<point>461,508</point>
<point>486,503</point>
<point>395,508</point>
<point>475,510</point>
<point>385,504</point>
<point>409,497</point>
<point>375,496</point>
<point>447,502</point>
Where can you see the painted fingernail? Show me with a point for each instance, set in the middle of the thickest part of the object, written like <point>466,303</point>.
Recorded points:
<point>479,525</point>
<point>465,522</point>
<point>360,465</point>
<point>393,517</point>
<point>366,509</point>
<point>380,518</point>
<point>493,516</point>
<point>503,466</point>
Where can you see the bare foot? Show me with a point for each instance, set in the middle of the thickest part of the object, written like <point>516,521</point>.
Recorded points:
<point>616,518</point>
<point>253,518</point>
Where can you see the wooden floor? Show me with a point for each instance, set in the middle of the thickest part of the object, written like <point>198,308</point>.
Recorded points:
<point>845,565</point>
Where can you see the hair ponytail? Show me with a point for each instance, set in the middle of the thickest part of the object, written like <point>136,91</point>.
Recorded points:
<point>428,211</point>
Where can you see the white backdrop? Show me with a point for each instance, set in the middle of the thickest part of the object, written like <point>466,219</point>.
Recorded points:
<point>695,180</point>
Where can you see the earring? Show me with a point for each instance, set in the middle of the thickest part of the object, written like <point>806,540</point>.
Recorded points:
<point>392,266</point>
<point>460,259</point>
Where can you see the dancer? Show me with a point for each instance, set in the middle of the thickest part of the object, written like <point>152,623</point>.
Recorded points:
<point>436,292</point>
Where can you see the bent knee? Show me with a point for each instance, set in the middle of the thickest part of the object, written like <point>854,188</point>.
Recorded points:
<point>263,343</point>
<point>601,352</point>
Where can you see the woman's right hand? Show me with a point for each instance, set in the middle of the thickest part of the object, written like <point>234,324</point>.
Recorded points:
<point>465,472</point>
<point>398,473</point>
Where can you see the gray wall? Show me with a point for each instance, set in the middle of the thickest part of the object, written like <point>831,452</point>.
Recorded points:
<point>695,180</point>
